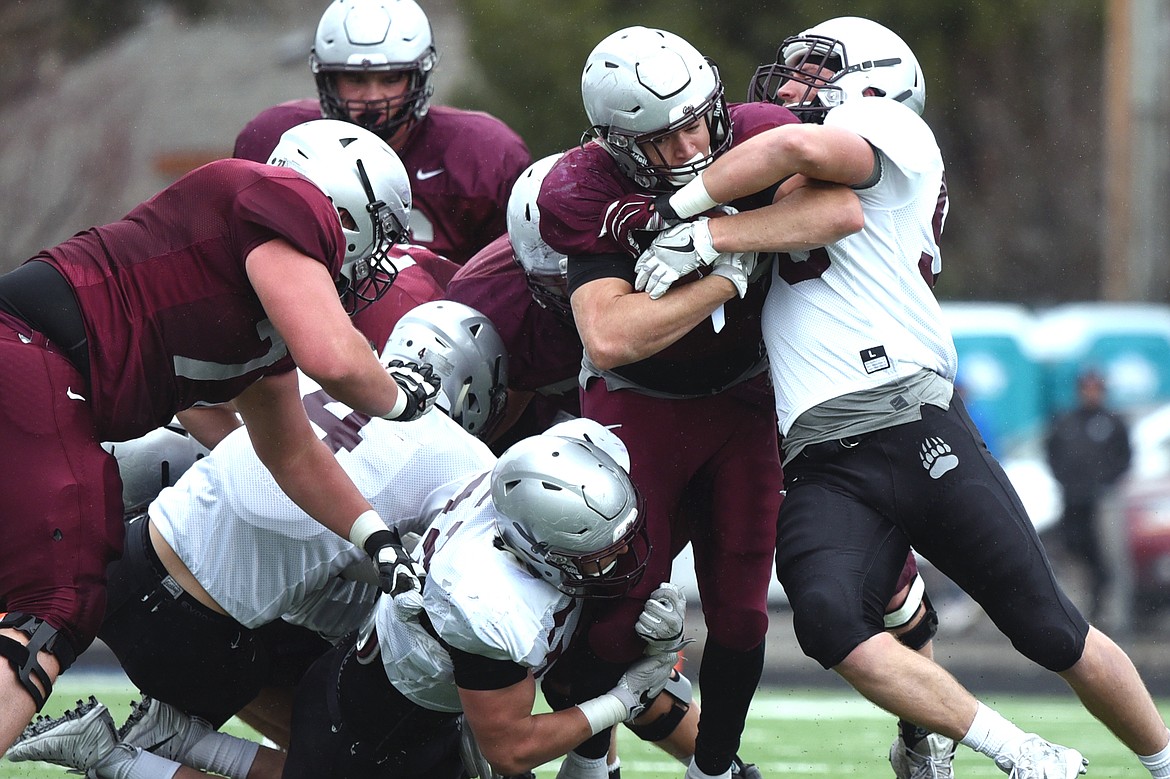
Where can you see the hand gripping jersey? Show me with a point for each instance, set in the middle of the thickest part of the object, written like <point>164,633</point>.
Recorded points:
<point>460,190</point>
<point>262,558</point>
<point>479,599</point>
<point>148,285</point>
<point>860,312</point>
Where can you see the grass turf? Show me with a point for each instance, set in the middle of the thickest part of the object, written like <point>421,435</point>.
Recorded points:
<point>802,734</point>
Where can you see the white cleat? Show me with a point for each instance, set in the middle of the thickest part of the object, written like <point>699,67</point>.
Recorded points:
<point>79,739</point>
<point>1036,758</point>
<point>160,728</point>
<point>930,758</point>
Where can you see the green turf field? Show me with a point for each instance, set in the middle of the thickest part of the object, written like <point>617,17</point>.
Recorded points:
<point>801,735</point>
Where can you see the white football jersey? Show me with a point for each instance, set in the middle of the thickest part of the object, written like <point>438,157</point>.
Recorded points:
<point>479,599</point>
<point>860,312</point>
<point>261,557</point>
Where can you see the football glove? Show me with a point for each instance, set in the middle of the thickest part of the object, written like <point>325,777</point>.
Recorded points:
<point>736,268</point>
<point>676,252</point>
<point>661,622</point>
<point>398,572</point>
<point>418,386</point>
<point>640,684</point>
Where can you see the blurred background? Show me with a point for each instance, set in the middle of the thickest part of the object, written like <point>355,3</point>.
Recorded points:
<point>1052,115</point>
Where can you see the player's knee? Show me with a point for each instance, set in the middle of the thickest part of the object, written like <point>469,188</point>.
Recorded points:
<point>826,627</point>
<point>1056,647</point>
<point>666,711</point>
<point>737,629</point>
<point>25,659</point>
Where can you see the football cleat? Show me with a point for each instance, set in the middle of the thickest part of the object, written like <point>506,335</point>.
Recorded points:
<point>79,739</point>
<point>1035,758</point>
<point>162,729</point>
<point>742,770</point>
<point>930,758</point>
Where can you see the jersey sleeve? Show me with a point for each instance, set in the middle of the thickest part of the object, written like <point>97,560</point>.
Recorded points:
<point>906,144</point>
<point>292,208</point>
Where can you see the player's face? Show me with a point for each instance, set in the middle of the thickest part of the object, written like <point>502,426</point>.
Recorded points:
<point>603,565</point>
<point>795,93</point>
<point>680,146</point>
<point>373,97</point>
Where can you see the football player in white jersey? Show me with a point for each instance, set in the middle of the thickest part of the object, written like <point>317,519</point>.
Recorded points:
<point>222,567</point>
<point>879,451</point>
<point>512,556</point>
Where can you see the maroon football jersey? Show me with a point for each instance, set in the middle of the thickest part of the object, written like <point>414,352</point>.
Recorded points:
<point>572,201</point>
<point>170,315</point>
<point>413,286</point>
<point>462,165</point>
<point>544,351</point>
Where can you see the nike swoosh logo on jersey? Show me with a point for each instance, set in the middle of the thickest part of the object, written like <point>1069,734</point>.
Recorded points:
<point>423,175</point>
<point>69,393</point>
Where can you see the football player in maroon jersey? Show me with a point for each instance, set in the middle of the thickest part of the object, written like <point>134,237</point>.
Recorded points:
<point>685,384</point>
<point>213,290</point>
<point>374,61</point>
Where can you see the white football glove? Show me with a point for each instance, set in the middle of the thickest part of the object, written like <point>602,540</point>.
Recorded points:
<point>736,268</point>
<point>661,622</point>
<point>673,254</point>
<point>640,684</point>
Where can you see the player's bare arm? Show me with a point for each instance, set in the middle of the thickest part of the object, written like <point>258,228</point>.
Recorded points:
<point>511,737</point>
<point>301,301</point>
<point>815,214</point>
<point>300,463</point>
<point>619,326</point>
<point>819,152</point>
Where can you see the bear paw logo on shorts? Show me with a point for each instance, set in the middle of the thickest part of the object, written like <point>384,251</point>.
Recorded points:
<point>937,458</point>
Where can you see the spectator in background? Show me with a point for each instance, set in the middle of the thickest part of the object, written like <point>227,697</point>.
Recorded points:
<point>1088,451</point>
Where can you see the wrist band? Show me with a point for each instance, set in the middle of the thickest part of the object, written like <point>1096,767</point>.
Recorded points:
<point>692,199</point>
<point>603,712</point>
<point>399,405</point>
<point>367,523</point>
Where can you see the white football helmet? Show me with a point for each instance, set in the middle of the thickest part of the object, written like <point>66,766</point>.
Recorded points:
<point>368,186</point>
<point>544,268</point>
<point>375,36</point>
<point>467,354</point>
<point>640,84</point>
<point>152,462</point>
<point>569,512</point>
<point>864,58</point>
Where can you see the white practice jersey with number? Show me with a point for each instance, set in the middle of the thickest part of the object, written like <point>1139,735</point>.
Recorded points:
<point>262,558</point>
<point>860,312</point>
<point>479,599</point>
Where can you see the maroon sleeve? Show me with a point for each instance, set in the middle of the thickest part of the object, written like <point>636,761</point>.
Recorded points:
<point>286,205</point>
<point>573,198</point>
<point>259,136</point>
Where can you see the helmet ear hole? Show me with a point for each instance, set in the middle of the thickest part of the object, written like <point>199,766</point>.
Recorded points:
<point>347,220</point>
<point>467,355</point>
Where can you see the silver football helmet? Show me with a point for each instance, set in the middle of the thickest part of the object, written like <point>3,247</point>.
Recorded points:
<point>152,462</point>
<point>842,59</point>
<point>569,512</point>
<point>375,36</point>
<point>467,354</point>
<point>368,186</point>
<point>640,84</point>
<point>544,268</point>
